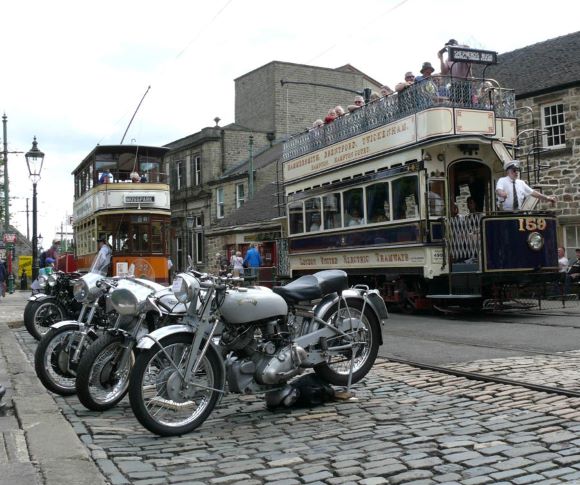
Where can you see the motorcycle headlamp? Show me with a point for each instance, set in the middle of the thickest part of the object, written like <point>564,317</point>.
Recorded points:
<point>535,241</point>
<point>52,278</point>
<point>42,280</point>
<point>186,288</point>
<point>129,297</point>
<point>86,289</point>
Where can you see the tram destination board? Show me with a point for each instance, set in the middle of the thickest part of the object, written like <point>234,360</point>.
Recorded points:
<point>475,56</point>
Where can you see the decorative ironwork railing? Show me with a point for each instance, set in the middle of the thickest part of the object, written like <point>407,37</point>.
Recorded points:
<point>438,91</point>
<point>463,238</point>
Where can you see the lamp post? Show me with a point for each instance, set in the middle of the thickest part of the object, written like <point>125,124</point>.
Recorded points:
<point>189,220</point>
<point>34,161</point>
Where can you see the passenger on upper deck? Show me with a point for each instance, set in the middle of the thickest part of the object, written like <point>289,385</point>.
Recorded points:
<point>143,178</point>
<point>454,69</point>
<point>409,81</point>
<point>355,218</point>
<point>513,190</point>
<point>106,177</point>
<point>317,123</point>
<point>135,177</point>
<point>359,102</point>
<point>374,97</point>
<point>386,91</point>
<point>331,116</point>
<point>339,111</point>
<point>426,71</point>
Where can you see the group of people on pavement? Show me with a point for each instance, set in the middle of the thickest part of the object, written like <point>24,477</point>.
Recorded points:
<point>238,266</point>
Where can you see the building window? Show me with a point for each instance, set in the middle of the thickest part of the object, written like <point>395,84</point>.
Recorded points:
<point>219,197</point>
<point>198,228</point>
<point>240,196</point>
<point>195,170</point>
<point>572,239</point>
<point>179,175</point>
<point>553,123</point>
<point>179,254</point>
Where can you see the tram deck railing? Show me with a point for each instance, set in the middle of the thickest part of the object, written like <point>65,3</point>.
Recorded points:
<point>445,91</point>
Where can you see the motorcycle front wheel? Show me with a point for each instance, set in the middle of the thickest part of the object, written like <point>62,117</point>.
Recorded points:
<point>336,369</point>
<point>52,359</point>
<point>160,401</point>
<point>40,315</point>
<point>100,382</point>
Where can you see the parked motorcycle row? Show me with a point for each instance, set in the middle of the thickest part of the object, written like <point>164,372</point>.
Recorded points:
<point>177,350</point>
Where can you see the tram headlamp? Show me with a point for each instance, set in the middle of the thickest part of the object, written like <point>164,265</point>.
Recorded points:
<point>52,279</point>
<point>42,280</point>
<point>535,241</point>
<point>186,288</point>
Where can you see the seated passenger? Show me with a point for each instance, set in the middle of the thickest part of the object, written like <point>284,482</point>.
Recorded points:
<point>355,218</point>
<point>106,177</point>
<point>317,123</point>
<point>315,223</point>
<point>339,110</point>
<point>386,91</point>
<point>374,97</point>
<point>409,81</point>
<point>135,177</point>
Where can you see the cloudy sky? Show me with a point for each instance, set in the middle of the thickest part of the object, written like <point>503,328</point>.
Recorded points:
<point>73,72</point>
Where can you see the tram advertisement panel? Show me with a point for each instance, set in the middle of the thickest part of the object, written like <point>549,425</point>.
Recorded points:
<point>520,243</point>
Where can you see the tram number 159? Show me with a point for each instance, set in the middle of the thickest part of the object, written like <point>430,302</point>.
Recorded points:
<point>531,224</point>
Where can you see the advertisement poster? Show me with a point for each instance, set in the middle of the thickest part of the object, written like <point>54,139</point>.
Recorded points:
<point>25,263</point>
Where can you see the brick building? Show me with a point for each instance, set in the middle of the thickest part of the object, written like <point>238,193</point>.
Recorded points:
<point>546,78</point>
<point>209,169</point>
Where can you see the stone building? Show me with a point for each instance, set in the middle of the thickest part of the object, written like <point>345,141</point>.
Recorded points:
<point>209,169</point>
<point>22,247</point>
<point>546,79</point>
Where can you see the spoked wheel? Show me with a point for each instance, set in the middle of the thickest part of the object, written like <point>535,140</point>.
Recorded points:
<point>103,373</point>
<point>52,359</point>
<point>160,400</point>
<point>337,367</point>
<point>40,315</point>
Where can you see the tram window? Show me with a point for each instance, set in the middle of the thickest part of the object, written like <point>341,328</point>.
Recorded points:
<point>296,218</point>
<point>156,238</point>
<point>149,166</point>
<point>331,206</point>
<point>405,197</point>
<point>378,203</point>
<point>353,207</point>
<point>436,197</point>
<point>313,215</point>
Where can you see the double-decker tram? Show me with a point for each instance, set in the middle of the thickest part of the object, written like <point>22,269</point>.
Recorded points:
<point>401,195</point>
<point>122,194</point>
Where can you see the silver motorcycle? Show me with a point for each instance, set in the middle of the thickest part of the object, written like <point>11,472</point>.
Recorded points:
<point>102,377</point>
<point>268,337</point>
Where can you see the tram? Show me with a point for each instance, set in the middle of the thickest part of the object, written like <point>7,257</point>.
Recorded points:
<point>401,195</point>
<point>122,194</point>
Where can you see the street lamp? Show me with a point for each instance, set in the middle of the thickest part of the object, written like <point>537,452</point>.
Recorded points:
<point>34,161</point>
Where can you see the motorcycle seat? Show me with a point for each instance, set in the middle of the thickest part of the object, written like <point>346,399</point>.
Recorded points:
<point>312,287</point>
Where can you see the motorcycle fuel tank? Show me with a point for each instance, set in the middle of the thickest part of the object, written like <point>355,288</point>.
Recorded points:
<point>245,305</point>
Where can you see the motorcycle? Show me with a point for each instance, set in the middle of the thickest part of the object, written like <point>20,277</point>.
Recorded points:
<point>55,304</point>
<point>268,337</point>
<point>102,377</point>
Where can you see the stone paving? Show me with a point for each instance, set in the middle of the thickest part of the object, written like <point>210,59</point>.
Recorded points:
<point>406,426</point>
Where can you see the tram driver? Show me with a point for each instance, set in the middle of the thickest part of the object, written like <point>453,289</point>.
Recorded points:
<point>512,190</point>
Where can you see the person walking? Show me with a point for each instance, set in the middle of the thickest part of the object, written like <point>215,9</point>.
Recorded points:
<point>237,264</point>
<point>253,260</point>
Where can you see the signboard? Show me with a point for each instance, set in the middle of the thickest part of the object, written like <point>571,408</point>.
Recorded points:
<point>9,238</point>
<point>25,263</point>
<point>139,199</point>
<point>475,56</point>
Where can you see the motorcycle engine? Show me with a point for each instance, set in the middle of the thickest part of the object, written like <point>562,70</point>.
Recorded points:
<point>260,354</point>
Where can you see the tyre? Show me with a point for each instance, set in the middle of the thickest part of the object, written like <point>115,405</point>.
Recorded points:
<point>100,383</point>
<point>52,358</point>
<point>337,367</point>
<point>157,398</point>
<point>40,315</point>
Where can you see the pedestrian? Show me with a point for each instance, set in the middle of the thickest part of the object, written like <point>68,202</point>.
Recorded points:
<point>169,266</point>
<point>237,264</point>
<point>103,259</point>
<point>572,273</point>
<point>23,280</point>
<point>253,260</point>
<point>221,264</point>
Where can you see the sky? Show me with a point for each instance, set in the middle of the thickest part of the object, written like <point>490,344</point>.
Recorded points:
<point>74,72</point>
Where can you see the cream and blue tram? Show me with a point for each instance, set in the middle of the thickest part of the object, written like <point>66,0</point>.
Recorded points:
<point>401,195</point>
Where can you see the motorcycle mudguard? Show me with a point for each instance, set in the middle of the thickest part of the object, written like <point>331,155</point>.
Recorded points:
<point>146,342</point>
<point>39,297</point>
<point>374,301</point>
<point>58,325</point>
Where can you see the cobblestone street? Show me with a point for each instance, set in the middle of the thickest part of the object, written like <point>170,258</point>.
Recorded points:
<point>405,426</point>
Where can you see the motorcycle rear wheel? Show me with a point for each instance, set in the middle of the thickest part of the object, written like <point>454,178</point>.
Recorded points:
<point>155,392</point>
<point>100,385</point>
<point>40,315</point>
<point>337,368</point>
<point>51,358</point>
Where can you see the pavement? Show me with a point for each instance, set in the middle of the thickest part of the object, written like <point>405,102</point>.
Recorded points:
<point>39,445</point>
<point>405,426</point>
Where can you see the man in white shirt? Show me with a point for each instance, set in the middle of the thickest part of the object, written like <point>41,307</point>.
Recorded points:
<point>512,191</point>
